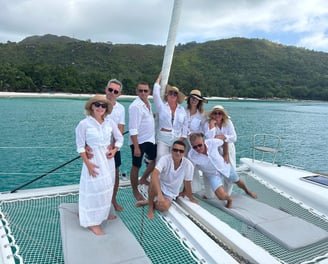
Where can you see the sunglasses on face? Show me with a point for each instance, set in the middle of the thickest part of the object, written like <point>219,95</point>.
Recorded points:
<point>192,98</point>
<point>178,150</point>
<point>172,93</point>
<point>143,90</point>
<point>217,113</point>
<point>111,90</point>
<point>97,104</point>
<point>197,146</point>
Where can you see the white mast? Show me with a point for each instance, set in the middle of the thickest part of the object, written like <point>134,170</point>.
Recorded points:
<point>170,44</point>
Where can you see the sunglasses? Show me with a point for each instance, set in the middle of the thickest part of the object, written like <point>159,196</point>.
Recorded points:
<point>178,150</point>
<point>143,91</point>
<point>111,90</point>
<point>197,146</point>
<point>96,104</point>
<point>217,113</point>
<point>172,93</point>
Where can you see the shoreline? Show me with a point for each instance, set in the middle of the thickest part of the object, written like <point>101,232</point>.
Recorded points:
<point>83,96</point>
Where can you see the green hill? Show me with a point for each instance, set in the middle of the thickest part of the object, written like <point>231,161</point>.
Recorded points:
<point>236,67</point>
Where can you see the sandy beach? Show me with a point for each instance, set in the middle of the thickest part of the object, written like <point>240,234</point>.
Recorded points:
<point>71,95</point>
<point>52,95</point>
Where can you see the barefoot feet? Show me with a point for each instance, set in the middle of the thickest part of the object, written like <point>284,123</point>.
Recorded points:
<point>251,194</point>
<point>138,196</point>
<point>117,207</point>
<point>141,203</point>
<point>97,230</point>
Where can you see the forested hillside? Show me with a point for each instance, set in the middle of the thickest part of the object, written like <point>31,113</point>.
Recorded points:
<point>236,67</point>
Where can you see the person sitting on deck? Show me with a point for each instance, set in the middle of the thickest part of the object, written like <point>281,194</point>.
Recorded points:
<point>206,156</point>
<point>171,171</point>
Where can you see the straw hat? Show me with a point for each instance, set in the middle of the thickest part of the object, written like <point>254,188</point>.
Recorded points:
<point>98,98</point>
<point>198,95</point>
<point>181,96</point>
<point>219,108</point>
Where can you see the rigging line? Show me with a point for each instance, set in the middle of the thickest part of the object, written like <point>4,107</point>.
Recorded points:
<point>51,171</point>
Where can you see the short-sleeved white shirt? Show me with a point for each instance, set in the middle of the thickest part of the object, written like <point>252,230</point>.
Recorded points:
<point>170,179</point>
<point>118,114</point>
<point>212,163</point>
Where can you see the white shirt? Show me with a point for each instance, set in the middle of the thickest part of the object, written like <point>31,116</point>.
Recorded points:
<point>99,135</point>
<point>196,122</point>
<point>228,131</point>
<point>170,179</point>
<point>179,123</point>
<point>141,122</point>
<point>212,163</point>
<point>118,114</point>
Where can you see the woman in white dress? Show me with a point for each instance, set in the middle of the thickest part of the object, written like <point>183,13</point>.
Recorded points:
<point>98,173</point>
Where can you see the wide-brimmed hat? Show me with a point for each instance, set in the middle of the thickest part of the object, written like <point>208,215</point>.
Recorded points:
<point>181,96</point>
<point>220,108</point>
<point>198,95</point>
<point>99,98</point>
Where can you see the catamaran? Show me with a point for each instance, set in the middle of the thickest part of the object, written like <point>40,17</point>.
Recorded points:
<point>288,223</point>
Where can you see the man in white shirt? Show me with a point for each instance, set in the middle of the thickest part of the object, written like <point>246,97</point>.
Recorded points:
<point>142,136</point>
<point>170,172</point>
<point>113,91</point>
<point>206,156</point>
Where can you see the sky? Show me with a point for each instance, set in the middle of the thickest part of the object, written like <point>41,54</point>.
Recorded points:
<point>301,23</point>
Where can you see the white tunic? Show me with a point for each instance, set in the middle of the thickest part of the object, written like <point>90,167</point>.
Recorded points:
<point>171,179</point>
<point>178,124</point>
<point>231,137</point>
<point>95,193</point>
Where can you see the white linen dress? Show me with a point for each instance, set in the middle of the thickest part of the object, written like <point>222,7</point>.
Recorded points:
<point>96,192</point>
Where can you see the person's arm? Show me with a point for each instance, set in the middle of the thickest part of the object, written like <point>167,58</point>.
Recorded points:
<point>156,187</point>
<point>118,141</point>
<point>80,139</point>
<point>157,93</point>
<point>188,191</point>
<point>134,121</point>
<point>226,152</point>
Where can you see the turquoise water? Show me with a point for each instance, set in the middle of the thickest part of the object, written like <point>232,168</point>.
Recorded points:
<point>38,135</point>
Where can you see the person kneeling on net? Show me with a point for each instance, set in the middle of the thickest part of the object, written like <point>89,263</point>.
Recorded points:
<point>206,156</point>
<point>171,171</point>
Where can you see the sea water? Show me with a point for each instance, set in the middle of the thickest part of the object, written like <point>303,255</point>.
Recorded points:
<point>38,136</point>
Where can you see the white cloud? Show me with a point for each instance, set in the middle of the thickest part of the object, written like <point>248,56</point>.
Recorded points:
<point>290,22</point>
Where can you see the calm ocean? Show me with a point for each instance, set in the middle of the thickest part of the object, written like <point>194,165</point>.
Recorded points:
<point>38,135</point>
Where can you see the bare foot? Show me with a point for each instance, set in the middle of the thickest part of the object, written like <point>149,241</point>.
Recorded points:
<point>117,207</point>
<point>150,214</point>
<point>229,203</point>
<point>143,181</point>
<point>141,203</point>
<point>111,217</point>
<point>97,230</point>
<point>138,196</point>
<point>251,194</point>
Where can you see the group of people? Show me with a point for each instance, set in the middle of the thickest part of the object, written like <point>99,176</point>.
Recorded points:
<point>181,142</point>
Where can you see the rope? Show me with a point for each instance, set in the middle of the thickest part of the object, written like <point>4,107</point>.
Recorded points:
<point>51,171</point>
<point>45,174</point>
